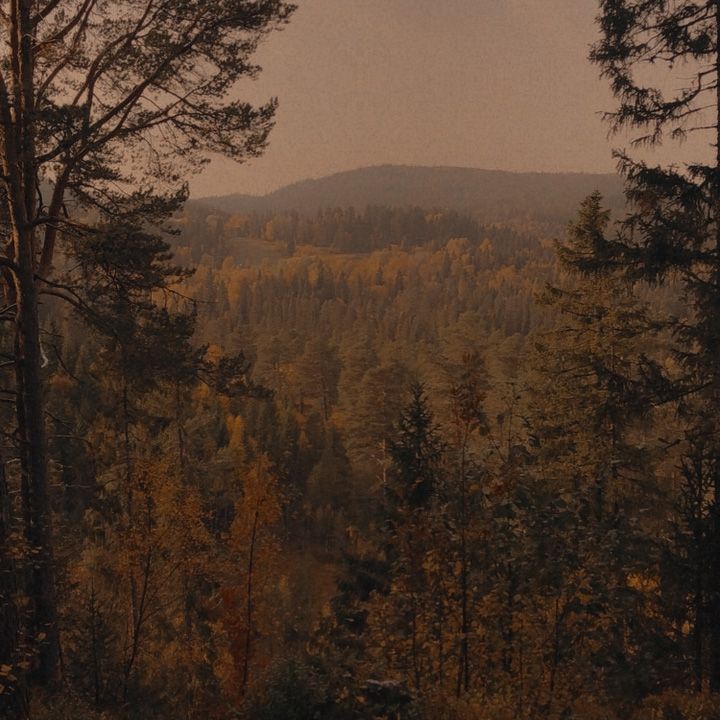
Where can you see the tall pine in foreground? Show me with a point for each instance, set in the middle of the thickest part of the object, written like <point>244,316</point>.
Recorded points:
<point>112,104</point>
<point>672,235</point>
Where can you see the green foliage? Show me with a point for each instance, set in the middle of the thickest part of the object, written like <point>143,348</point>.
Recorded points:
<point>672,234</point>
<point>416,450</point>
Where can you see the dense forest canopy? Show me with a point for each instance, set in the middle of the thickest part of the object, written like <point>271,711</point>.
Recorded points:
<point>369,346</point>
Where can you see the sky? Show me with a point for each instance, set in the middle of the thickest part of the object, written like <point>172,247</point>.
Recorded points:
<point>495,84</point>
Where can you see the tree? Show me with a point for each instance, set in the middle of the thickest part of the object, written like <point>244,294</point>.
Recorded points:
<point>416,598</point>
<point>375,400</point>
<point>467,394</point>
<point>253,540</point>
<point>110,103</point>
<point>416,451</point>
<point>593,463</point>
<point>673,229</point>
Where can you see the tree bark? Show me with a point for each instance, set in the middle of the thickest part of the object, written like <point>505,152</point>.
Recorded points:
<point>250,605</point>
<point>715,580</point>
<point>714,619</point>
<point>31,423</point>
<point>17,144</point>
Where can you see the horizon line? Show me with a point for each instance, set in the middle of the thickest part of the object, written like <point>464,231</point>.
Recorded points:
<point>360,168</point>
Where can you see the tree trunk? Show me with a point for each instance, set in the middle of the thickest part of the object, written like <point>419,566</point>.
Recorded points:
<point>463,682</point>
<point>714,609</point>
<point>12,701</point>
<point>698,610</point>
<point>17,145</point>
<point>415,643</point>
<point>250,606</point>
<point>31,423</point>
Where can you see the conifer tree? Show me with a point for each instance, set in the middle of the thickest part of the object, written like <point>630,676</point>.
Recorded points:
<point>411,548</point>
<point>593,465</point>
<point>463,493</point>
<point>672,232</point>
<point>416,451</point>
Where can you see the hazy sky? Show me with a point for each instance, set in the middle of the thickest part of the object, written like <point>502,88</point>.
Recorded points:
<point>501,84</point>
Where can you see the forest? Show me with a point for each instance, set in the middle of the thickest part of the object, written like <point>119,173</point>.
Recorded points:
<point>439,449</point>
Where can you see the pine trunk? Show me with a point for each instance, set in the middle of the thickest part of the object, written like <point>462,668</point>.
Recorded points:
<point>31,424</point>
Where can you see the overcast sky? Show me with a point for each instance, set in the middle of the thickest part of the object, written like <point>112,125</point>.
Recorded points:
<point>500,84</point>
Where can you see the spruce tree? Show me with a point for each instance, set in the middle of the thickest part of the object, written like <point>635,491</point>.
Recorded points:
<point>594,475</point>
<point>672,230</point>
<point>411,545</point>
<point>416,452</point>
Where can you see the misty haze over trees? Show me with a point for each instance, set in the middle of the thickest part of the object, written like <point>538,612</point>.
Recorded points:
<point>402,442</point>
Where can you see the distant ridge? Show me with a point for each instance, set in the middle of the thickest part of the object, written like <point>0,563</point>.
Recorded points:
<point>491,194</point>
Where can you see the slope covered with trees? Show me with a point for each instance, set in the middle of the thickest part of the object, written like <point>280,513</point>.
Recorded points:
<point>490,194</point>
<point>389,461</point>
<point>470,462</point>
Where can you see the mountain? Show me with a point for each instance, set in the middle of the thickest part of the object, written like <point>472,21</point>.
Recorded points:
<point>491,194</point>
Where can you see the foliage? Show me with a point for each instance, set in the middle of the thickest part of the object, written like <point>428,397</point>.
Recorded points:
<point>672,233</point>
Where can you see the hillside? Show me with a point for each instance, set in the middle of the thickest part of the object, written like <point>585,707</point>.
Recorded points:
<point>490,194</point>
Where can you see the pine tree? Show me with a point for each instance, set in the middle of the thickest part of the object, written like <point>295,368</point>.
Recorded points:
<point>113,103</point>
<point>672,232</point>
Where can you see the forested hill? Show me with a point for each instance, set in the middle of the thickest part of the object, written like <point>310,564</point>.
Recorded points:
<point>491,195</point>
